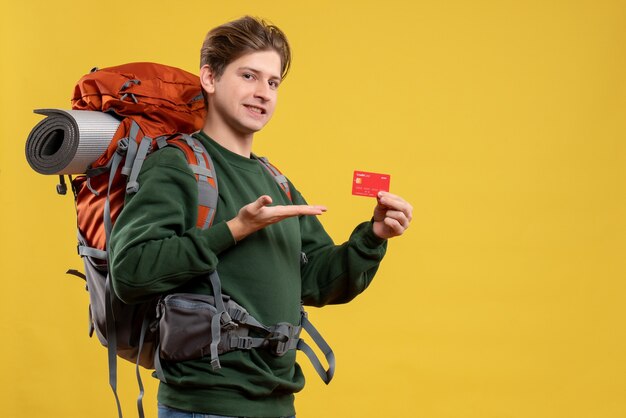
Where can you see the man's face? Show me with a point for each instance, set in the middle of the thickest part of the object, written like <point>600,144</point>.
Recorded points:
<point>244,97</point>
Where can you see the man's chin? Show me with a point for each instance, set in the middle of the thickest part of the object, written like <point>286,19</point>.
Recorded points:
<point>252,128</point>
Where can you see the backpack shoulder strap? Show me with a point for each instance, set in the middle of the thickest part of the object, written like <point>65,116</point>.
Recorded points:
<point>278,176</point>
<point>201,165</point>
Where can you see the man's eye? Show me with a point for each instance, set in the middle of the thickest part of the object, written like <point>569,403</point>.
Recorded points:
<point>273,84</point>
<point>248,76</point>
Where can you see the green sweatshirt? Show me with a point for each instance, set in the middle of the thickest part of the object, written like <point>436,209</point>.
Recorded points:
<point>156,248</point>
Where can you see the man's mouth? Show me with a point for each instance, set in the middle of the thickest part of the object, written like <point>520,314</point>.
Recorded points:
<point>255,109</point>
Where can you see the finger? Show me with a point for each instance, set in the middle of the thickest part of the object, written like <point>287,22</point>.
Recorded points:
<point>383,194</point>
<point>261,202</point>
<point>395,226</point>
<point>296,210</point>
<point>308,209</point>
<point>380,211</point>
<point>387,199</point>
<point>399,216</point>
<point>395,202</point>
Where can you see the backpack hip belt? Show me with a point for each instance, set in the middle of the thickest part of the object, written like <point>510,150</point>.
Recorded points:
<point>185,329</point>
<point>192,326</point>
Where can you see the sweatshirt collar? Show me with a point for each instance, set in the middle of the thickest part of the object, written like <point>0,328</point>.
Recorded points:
<point>232,158</point>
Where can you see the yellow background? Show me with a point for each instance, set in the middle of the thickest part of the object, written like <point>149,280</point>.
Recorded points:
<point>502,122</point>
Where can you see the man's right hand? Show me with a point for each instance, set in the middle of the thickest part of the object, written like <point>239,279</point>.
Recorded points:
<point>258,214</point>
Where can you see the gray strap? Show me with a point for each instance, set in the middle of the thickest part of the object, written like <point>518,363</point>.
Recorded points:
<point>132,148</point>
<point>216,332</point>
<point>278,177</point>
<point>207,195</point>
<point>108,298</point>
<point>85,251</point>
<point>218,296</point>
<point>326,375</point>
<point>220,319</point>
<point>241,316</point>
<point>196,146</point>
<point>132,186</point>
<point>111,341</point>
<point>245,343</point>
<point>108,224</point>
<point>91,189</point>
<point>144,329</point>
<point>280,339</point>
<point>161,141</point>
<point>201,171</point>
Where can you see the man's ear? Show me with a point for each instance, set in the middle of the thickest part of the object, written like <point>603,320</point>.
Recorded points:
<point>207,79</point>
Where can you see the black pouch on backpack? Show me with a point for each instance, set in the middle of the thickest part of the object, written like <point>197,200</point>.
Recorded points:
<point>186,326</point>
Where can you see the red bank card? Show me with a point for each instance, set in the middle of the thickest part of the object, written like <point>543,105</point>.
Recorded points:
<point>369,184</point>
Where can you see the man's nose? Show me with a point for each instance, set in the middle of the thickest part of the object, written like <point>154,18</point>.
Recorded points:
<point>262,91</point>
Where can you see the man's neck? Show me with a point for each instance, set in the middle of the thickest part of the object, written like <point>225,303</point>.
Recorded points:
<point>238,143</point>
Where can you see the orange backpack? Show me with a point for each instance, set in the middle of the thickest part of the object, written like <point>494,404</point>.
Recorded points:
<point>155,101</point>
<point>158,105</point>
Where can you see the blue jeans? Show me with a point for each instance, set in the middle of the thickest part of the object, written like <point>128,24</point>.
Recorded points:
<point>167,412</point>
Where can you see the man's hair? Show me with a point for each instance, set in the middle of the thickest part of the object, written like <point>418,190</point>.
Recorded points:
<point>230,41</point>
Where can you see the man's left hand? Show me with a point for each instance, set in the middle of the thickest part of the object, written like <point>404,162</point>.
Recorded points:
<point>392,215</point>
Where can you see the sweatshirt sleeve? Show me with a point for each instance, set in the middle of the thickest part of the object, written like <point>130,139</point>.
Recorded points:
<point>155,246</point>
<point>334,274</point>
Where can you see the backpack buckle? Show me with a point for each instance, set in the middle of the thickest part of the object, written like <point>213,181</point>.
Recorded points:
<point>241,343</point>
<point>238,315</point>
<point>122,146</point>
<point>280,338</point>
<point>132,187</point>
<point>227,322</point>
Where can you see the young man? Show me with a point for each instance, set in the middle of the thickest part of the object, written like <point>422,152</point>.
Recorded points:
<point>256,241</point>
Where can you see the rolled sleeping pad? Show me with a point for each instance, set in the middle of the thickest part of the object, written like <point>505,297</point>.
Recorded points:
<point>68,141</point>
